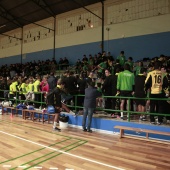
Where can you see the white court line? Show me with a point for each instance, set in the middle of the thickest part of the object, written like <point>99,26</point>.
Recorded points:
<point>22,166</point>
<point>6,166</point>
<point>63,152</point>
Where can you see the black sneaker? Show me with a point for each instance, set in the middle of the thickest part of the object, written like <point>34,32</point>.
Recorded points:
<point>90,131</point>
<point>56,129</point>
<point>143,119</point>
<point>159,123</point>
<point>85,130</point>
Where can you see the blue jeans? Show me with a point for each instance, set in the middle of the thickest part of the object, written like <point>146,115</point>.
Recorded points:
<point>87,112</point>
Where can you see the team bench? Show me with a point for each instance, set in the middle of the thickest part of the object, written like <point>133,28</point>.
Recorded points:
<point>31,114</point>
<point>14,110</point>
<point>37,115</point>
<point>147,131</point>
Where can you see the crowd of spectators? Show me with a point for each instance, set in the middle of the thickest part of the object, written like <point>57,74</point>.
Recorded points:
<point>112,76</point>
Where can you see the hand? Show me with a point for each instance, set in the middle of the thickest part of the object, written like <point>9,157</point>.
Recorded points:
<point>118,91</point>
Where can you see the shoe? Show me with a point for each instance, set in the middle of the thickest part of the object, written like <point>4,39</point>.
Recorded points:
<point>143,119</point>
<point>56,129</point>
<point>85,130</point>
<point>153,123</point>
<point>159,123</point>
<point>140,118</point>
<point>122,118</point>
<point>90,131</point>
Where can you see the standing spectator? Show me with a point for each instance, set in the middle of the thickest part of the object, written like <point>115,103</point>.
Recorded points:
<point>138,68</point>
<point>1,87</point>
<point>115,102</point>
<point>53,66</point>
<point>107,90</point>
<point>122,58</point>
<point>85,59</point>
<point>99,100</point>
<point>14,87</point>
<point>130,62</point>
<point>140,92</point>
<point>125,86</point>
<point>157,82</point>
<point>78,66</point>
<point>91,94</point>
<point>37,94</point>
<point>65,63</point>
<point>12,71</point>
<point>166,105</point>
<point>95,61</point>
<point>90,63</point>
<point>44,86</point>
<point>110,65</point>
<point>71,84</point>
<point>23,89</point>
<point>60,64</point>
<point>104,55</point>
<point>52,81</point>
<point>90,77</point>
<point>101,68</point>
<point>82,84</point>
<point>117,66</point>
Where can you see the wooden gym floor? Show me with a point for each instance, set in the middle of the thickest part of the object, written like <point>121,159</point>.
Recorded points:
<point>32,145</point>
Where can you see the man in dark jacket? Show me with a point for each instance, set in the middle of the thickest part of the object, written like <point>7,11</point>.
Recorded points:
<point>91,94</point>
<point>52,81</point>
<point>107,89</point>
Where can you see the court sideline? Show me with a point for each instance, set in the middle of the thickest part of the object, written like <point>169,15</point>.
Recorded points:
<point>32,145</point>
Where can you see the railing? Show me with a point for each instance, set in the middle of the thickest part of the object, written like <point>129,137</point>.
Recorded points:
<point>18,100</point>
<point>75,106</point>
<point>128,111</point>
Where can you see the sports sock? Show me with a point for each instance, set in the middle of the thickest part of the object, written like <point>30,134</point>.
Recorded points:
<point>55,124</point>
<point>121,114</point>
